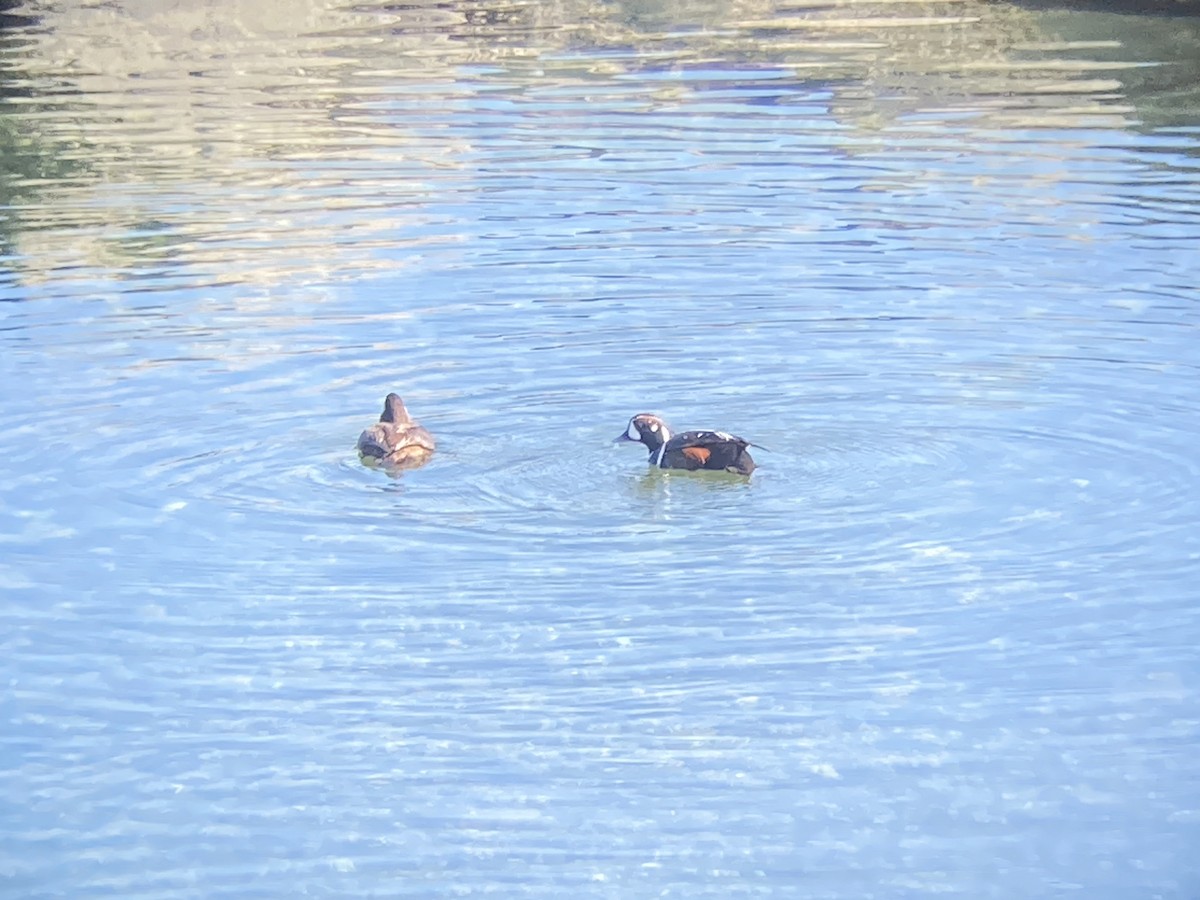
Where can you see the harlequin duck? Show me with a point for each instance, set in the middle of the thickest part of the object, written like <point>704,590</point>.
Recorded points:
<point>396,440</point>
<point>690,450</point>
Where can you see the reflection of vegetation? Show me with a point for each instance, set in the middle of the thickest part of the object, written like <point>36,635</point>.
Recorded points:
<point>1121,7</point>
<point>28,160</point>
<point>148,240</point>
<point>1165,87</point>
<point>220,122</point>
<point>14,14</point>
<point>1017,66</point>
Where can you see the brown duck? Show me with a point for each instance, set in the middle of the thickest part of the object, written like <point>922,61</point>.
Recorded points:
<point>396,440</point>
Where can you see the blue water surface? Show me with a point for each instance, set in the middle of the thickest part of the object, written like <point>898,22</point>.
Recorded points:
<point>941,643</point>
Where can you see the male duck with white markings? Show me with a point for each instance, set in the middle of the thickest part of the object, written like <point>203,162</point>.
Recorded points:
<point>691,450</point>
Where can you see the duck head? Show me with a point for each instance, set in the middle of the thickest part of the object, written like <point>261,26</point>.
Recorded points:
<point>648,429</point>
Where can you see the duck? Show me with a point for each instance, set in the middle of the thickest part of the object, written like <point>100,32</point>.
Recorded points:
<point>691,450</point>
<point>396,440</point>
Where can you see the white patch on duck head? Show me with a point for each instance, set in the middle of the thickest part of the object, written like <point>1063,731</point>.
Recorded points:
<point>643,425</point>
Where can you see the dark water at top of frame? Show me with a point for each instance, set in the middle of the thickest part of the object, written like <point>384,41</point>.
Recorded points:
<point>940,258</point>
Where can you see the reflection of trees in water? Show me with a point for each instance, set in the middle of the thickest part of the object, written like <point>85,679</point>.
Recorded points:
<point>113,108</point>
<point>14,14</point>
<point>26,164</point>
<point>27,160</point>
<point>1164,86</point>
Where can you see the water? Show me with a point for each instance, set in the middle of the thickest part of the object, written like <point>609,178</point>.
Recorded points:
<point>941,260</point>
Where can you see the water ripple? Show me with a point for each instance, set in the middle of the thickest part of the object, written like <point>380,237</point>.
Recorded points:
<point>938,258</point>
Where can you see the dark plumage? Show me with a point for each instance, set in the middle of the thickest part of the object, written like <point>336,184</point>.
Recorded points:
<point>396,440</point>
<point>715,450</point>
